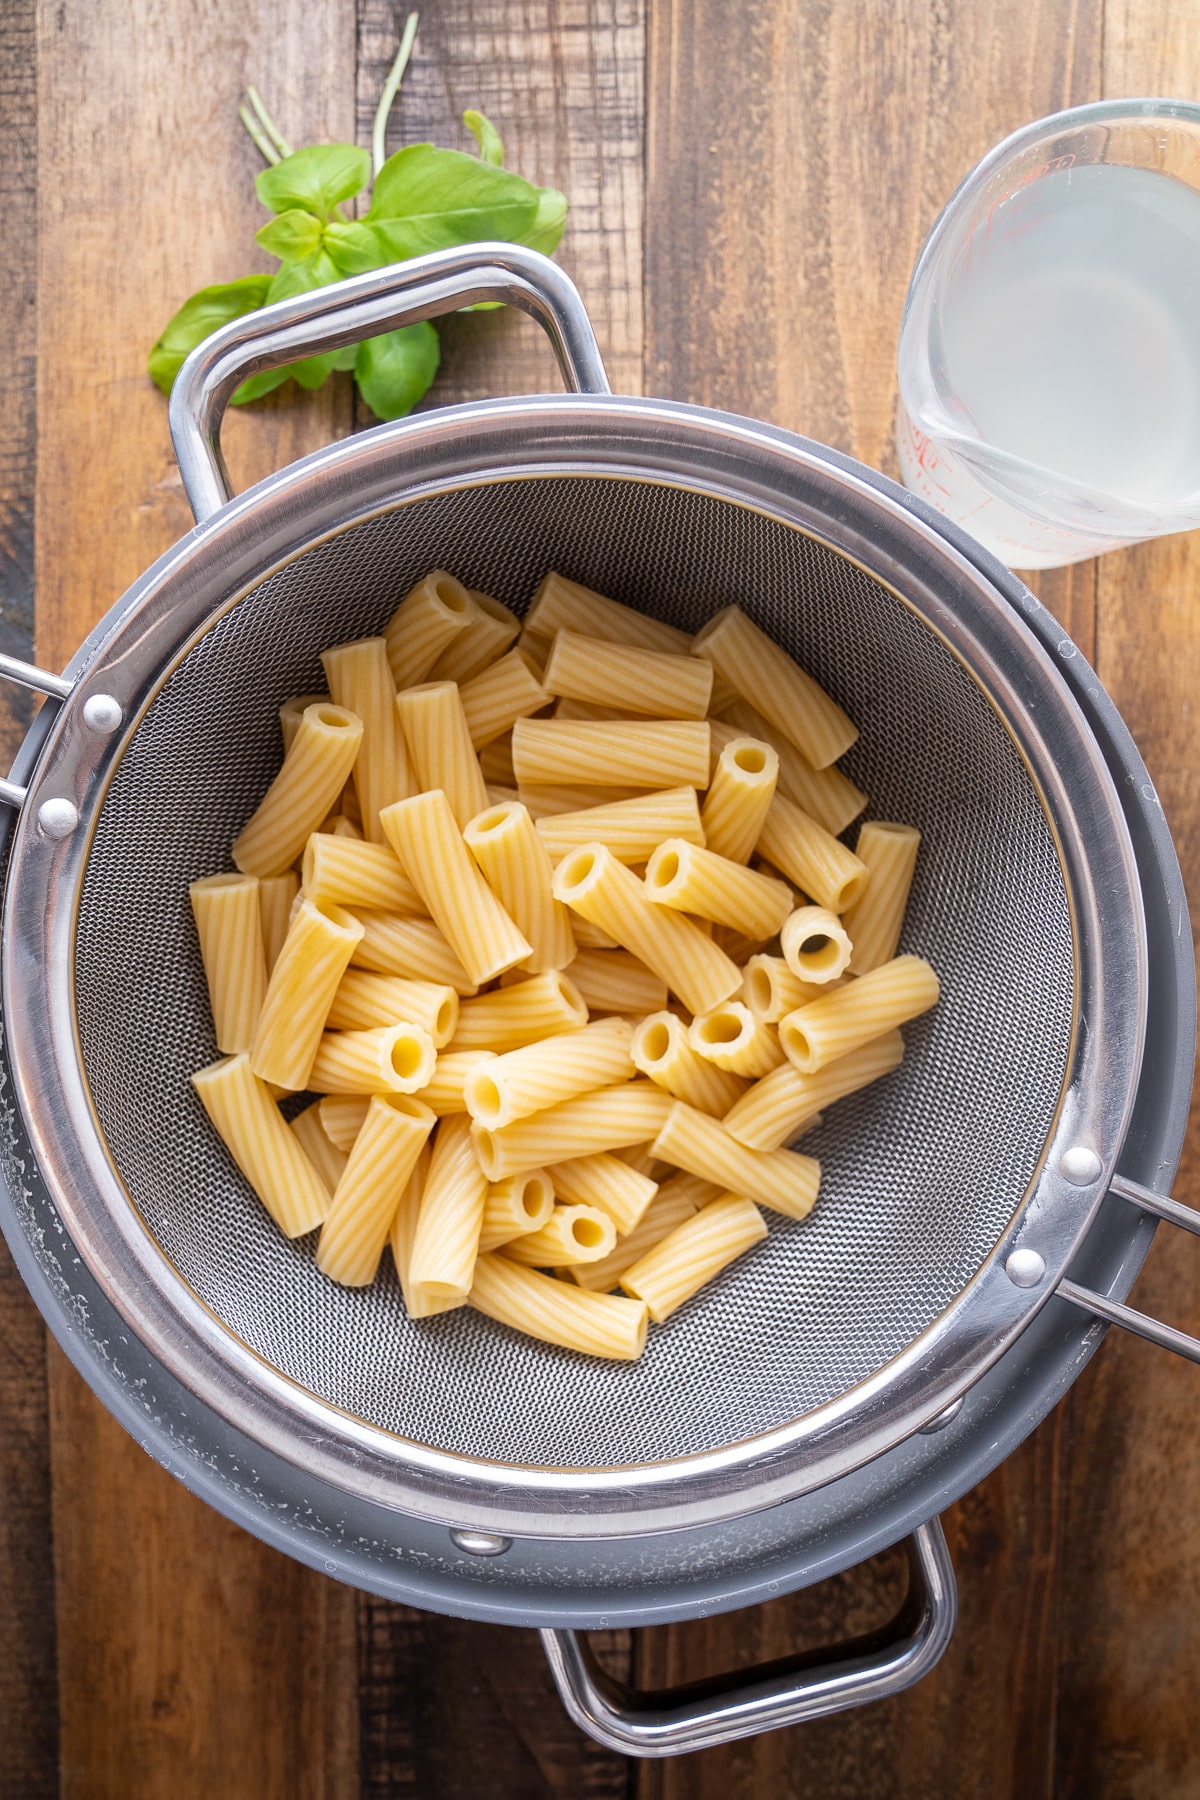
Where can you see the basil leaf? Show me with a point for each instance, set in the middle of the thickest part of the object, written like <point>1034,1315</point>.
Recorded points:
<point>395,370</point>
<point>294,278</point>
<point>314,179</point>
<point>491,150</point>
<point>429,199</point>
<point>355,248</point>
<point>547,228</point>
<point>198,318</point>
<point>292,236</point>
<point>265,382</point>
<point>302,277</point>
<point>343,360</point>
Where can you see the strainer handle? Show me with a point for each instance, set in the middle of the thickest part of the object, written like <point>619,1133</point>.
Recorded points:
<point>1115,1312</point>
<point>362,307</point>
<point>717,1711</point>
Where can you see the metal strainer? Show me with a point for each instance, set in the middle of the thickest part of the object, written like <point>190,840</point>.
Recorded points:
<point>954,1194</point>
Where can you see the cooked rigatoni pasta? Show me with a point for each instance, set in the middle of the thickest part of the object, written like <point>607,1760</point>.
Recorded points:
<point>777,1107</point>
<point>481,642</point>
<point>390,1059</point>
<point>318,1146</point>
<point>739,793</point>
<point>499,696</point>
<point>766,676</point>
<point>613,981</point>
<point>781,1179</point>
<point>691,879</point>
<point>360,680</point>
<point>630,679</point>
<point>590,937</point>
<point>439,745</point>
<point>820,866</point>
<point>423,833</point>
<point>591,881</point>
<point>446,1243</point>
<point>631,829</point>
<point>342,1117</point>
<point>445,1091</point>
<point>276,897</point>
<point>520,1082</point>
<point>515,865</point>
<point>393,945</point>
<point>496,762</point>
<point>510,1017</point>
<point>313,774</point>
<point>515,1207</point>
<point>269,1155</point>
<point>353,874</point>
<point>620,1192</point>
<point>672,1204</point>
<point>732,1039</point>
<point>815,945</point>
<point>681,1263</point>
<point>291,713</point>
<point>562,605</point>
<point>596,1324</point>
<point>404,1223</point>
<point>866,1007</point>
<point>826,795</point>
<point>770,989</point>
<point>572,1234</point>
<point>545,800</point>
<point>605,1120</point>
<point>307,972</point>
<point>427,620</point>
<point>567,708</point>
<point>229,926</point>
<point>660,1049</point>
<point>662,753</point>
<point>383,1158</point>
<point>344,828</point>
<point>364,1000</point>
<point>874,923</point>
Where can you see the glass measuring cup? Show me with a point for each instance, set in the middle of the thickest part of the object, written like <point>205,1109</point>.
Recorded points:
<point>1049,353</point>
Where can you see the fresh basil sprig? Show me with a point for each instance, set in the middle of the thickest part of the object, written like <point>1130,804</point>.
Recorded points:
<point>422,199</point>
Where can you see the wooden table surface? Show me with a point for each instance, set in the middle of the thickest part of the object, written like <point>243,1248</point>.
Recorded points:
<point>750,186</point>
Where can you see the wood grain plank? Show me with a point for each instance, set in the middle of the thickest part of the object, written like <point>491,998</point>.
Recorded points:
<point>563,83</point>
<point>797,155</point>
<point>29,1740</point>
<point>193,1661</point>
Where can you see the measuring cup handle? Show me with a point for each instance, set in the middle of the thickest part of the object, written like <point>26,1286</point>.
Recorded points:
<point>363,307</point>
<point>724,1708</point>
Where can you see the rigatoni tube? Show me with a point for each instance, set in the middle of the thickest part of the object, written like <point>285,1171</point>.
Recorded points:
<point>691,1255</point>
<point>391,1059</point>
<point>539,1075</point>
<point>660,1049</point>
<point>357,874</point>
<point>515,865</point>
<point>479,643</point>
<point>781,1179</point>
<point>734,1040</point>
<point>514,1207</point>
<point>229,926</point>
<point>318,1146</point>
<point>510,1017</point>
<point>313,775</point>
<point>596,1324</point>
<point>820,866</point>
<point>604,1181</point>
<point>624,676</point>
<point>445,1091</point>
<point>499,696</point>
<point>562,605</point>
<point>824,794</point>
<point>693,880</point>
<point>612,981</point>
<point>384,1156</point>
<point>425,837</point>
<point>426,621</point>
<point>775,1108</point>
<point>276,896</point>
<point>674,1202</point>
<point>314,957</point>
<point>439,744</point>
<point>762,673</point>
<point>608,1119</point>
<point>866,1007</point>
<point>631,829</point>
<point>770,989</point>
<point>447,1237</point>
<point>360,680</point>
<point>741,790</point>
<point>572,1234</point>
<point>665,753</point>
<point>269,1155</point>
<point>364,1000</point>
<point>414,948</point>
<point>875,921</point>
<point>815,944</point>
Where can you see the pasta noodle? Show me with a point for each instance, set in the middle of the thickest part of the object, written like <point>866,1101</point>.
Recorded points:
<point>874,923</point>
<point>229,926</point>
<point>538,1008</point>
<point>770,989</point>
<point>657,754</point>
<point>660,1049</point>
<point>315,953</point>
<point>815,945</point>
<point>539,1075</point>
<point>360,680</point>
<point>276,895</point>
<point>424,624</point>
<point>514,863</point>
<point>514,1207</point>
<point>313,774</point>
<point>392,945</point>
<point>634,680</point>
<point>353,874</point>
<point>690,879</point>
<point>607,1119</point>
<point>808,855</point>
<point>446,1242</point>
<point>445,1092</point>
<point>481,642</point>
<point>383,1158</point>
<point>572,1234</point>
<point>425,837</point>
<point>783,1102</point>
<point>612,981</point>
<point>596,1324</point>
<point>824,794</point>
<point>591,881</point>
<point>500,695</point>
<point>766,676</point>
<point>291,713</point>
<point>318,1146</point>
<point>249,1124</point>
<point>404,1224</point>
<point>562,605</point>
<point>604,1181</point>
<point>364,1000</point>
<point>631,829</point>
<point>435,730</point>
<point>674,1202</point>
<point>732,1038</point>
<point>342,1116</point>
<point>781,1179</point>
<point>391,1059</point>
<point>739,793</point>
<point>691,1255</point>
<point>838,1023</point>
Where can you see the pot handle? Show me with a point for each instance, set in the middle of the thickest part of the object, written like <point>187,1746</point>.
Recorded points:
<point>1114,1312</point>
<point>362,307</point>
<point>724,1708</point>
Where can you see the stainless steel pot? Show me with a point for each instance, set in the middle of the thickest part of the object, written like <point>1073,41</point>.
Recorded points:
<point>974,1228</point>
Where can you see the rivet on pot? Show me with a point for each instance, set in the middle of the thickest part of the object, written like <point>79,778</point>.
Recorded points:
<point>481,1543</point>
<point>1025,1268</point>
<point>101,713</point>
<point>946,1417</point>
<point>1080,1166</point>
<point>57,818</point>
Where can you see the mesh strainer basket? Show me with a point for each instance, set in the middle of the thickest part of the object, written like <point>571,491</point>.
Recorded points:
<point>954,1197</point>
